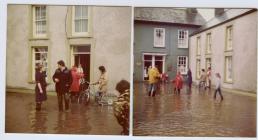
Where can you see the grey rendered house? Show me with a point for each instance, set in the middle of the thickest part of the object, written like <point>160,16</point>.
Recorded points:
<point>86,35</point>
<point>161,39</point>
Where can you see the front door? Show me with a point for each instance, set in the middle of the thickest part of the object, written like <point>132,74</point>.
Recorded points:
<point>81,56</point>
<point>151,60</point>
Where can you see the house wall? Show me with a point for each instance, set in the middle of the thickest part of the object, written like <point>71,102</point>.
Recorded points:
<point>244,52</point>
<point>109,40</point>
<point>144,42</point>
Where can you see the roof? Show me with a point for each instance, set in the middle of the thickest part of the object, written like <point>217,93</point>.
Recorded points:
<point>228,15</point>
<point>168,15</point>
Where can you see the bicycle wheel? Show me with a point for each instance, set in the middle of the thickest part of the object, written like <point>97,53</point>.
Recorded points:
<point>84,98</point>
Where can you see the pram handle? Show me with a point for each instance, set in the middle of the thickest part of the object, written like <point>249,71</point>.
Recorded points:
<point>83,82</point>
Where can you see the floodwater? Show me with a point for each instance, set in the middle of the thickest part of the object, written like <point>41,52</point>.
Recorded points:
<point>192,114</point>
<point>93,119</point>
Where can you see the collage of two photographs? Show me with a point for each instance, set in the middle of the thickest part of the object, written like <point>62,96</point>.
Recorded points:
<point>68,71</point>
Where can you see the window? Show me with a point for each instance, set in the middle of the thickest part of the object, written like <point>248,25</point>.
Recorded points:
<point>182,64</point>
<point>182,39</point>
<point>39,21</point>
<point>80,20</point>
<point>208,63</point>
<point>208,43</point>
<point>159,37</point>
<point>228,69</point>
<point>198,46</point>
<point>39,55</point>
<point>229,37</point>
<point>198,68</point>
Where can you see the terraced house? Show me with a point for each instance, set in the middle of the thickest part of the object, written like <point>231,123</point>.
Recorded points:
<point>86,35</point>
<point>161,39</point>
<point>228,44</point>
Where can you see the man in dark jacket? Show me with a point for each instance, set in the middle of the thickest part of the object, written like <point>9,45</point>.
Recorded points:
<point>63,81</point>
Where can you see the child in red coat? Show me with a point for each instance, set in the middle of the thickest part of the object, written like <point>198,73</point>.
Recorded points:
<point>75,86</point>
<point>178,83</point>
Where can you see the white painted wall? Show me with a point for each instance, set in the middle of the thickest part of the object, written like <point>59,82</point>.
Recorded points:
<point>244,52</point>
<point>112,30</point>
<point>111,34</point>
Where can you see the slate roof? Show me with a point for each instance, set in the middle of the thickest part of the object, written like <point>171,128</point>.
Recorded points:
<point>228,15</point>
<point>168,15</point>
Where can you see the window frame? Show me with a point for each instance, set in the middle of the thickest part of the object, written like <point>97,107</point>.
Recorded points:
<point>208,43</point>
<point>206,65</point>
<point>34,34</point>
<point>229,38</point>
<point>186,64</point>
<point>226,80</point>
<point>33,62</point>
<point>198,46</point>
<point>198,71</point>
<point>163,39</point>
<point>80,34</point>
<point>186,33</point>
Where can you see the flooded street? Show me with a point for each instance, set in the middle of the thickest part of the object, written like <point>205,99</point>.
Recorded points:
<point>194,114</point>
<point>93,119</point>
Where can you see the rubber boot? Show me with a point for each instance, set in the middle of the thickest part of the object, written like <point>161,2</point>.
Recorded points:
<point>153,94</point>
<point>38,106</point>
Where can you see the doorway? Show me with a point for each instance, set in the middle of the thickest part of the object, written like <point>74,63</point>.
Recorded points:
<point>81,56</point>
<point>152,59</point>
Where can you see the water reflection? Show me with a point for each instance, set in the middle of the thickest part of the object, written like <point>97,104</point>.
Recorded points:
<point>194,114</point>
<point>38,121</point>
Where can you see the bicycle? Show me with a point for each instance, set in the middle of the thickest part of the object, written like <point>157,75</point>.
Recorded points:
<point>84,95</point>
<point>107,99</point>
<point>202,84</point>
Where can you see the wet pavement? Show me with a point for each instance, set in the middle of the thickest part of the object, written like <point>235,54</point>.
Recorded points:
<point>92,119</point>
<point>194,114</point>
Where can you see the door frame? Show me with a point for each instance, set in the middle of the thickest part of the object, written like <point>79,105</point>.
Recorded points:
<point>91,57</point>
<point>153,61</point>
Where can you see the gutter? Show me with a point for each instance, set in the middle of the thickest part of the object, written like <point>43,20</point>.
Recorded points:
<point>165,23</point>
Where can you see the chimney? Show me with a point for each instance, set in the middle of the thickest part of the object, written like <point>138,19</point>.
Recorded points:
<point>219,11</point>
<point>191,10</point>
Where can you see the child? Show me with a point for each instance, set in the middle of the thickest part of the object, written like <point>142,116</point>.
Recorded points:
<point>178,81</point>
<point>218,85</point>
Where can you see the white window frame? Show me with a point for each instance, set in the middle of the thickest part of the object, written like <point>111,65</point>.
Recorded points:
<point>182,41</point>
<point>153,60</point>
<point>179,68</point>
<point>208,43</point>
<point>155,40</point>
<point>206,63</point>
<point>229,38</point>
<point>73,23</point>
<point>73,53</point>
<point>227,79</point>
<point>34,62</point>
<point>34,26</point>
<point>198,69</point>
<point>198,45</point>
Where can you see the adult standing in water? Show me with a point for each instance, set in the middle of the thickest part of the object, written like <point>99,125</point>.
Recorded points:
<point>102,82</point>
<point>63,81</point>
<point>189,80</point>
<point>153,80</point>
<point>41,84</point>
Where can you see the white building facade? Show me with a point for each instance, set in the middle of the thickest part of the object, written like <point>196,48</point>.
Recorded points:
<point>228,44</point>
<point>88,35</point>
